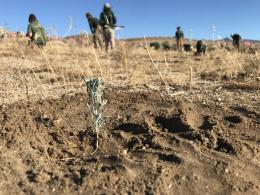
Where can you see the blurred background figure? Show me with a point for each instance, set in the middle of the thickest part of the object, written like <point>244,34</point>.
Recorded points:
<point>179,39</point>
<point>36,32</point>
<point>201,48</point>
<point>155,45</point>
<point>236,41</point>
<point>247,44</point>
<point>108,22</point>
<point>96,30</point>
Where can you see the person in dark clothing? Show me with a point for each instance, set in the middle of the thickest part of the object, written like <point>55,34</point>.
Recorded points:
<point>187,47</point>
<point>236,41</point>
<point>179,39</point>
<point>96,30</point>
<point>155,45</point>
<point>201,48</point>
<point>166,45</point>
<point>108,22</point>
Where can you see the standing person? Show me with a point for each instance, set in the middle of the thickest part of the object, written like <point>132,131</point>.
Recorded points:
<point>96,30</point>
<point>36,32</point>
<point>179,39</point>
<point>108,22</point>
<point>236,41</point>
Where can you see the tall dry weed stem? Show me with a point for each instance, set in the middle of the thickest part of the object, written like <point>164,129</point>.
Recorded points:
<point>155,65</point>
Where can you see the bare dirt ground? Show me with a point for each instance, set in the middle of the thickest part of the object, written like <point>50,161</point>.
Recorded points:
<point>183,125</point>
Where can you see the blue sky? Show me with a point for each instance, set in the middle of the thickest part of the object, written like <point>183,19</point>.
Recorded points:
<point>141,17</point>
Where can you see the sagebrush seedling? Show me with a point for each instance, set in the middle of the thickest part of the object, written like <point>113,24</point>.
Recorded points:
<point>96,105</point>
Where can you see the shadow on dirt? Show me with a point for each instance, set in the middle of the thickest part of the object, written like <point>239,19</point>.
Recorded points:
<point>207,124</point>
<point>173,124</point>
<point>172,158</point>
<point>132,128</point>
<point>233,119</point>
<point>224,146</point>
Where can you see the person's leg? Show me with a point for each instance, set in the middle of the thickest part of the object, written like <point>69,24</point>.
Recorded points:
<point>95,40</point>
<point>106,38</point>
<point>99,38</point>
<point>204,49</point>
<point>239,46</point>
<point>181,45</point>
<point>30,42</point>
<point>178,44</point>
<point>234,43</point>
<point>112,38</point>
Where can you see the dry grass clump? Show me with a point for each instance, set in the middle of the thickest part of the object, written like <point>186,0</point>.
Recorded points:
<point>222,64</point>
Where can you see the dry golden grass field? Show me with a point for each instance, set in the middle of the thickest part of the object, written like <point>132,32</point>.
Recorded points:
<point>175,123</point>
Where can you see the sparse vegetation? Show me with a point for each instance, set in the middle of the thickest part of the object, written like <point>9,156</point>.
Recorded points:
<point>60,66</point>
<point>195,117</point>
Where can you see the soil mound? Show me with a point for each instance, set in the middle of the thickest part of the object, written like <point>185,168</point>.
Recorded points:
<point>150,144</point>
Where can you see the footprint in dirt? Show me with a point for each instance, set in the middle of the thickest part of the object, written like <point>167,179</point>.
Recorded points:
<point>196,118</point>
<point>45,120</point>
<point>172,124</point>
<point>78,176</point>
<point>207,124</point>
<point>134,143</point>
<point>57,138</point>
<point>132,128</point>
<point>233,119</point>
<point>32,176</point>
<point>111,163</point>
<point>177,125</point>
<point>170,158</point>
<point>224,146</point>
<point>247,113</point>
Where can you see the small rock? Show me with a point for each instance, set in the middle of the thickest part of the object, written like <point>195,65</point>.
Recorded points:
<point>125,152</point>
<point>57,122</point>
<point>236,189</point>
<point>219,99</point>
<point>196,177</point>
<point>226,170</point>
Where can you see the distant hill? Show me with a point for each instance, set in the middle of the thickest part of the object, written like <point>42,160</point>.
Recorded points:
<point>7,34</point>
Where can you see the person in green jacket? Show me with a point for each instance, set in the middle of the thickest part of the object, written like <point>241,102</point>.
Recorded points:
<point>108,22</point>
<point>36,32</point>
<point>96,30</point>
